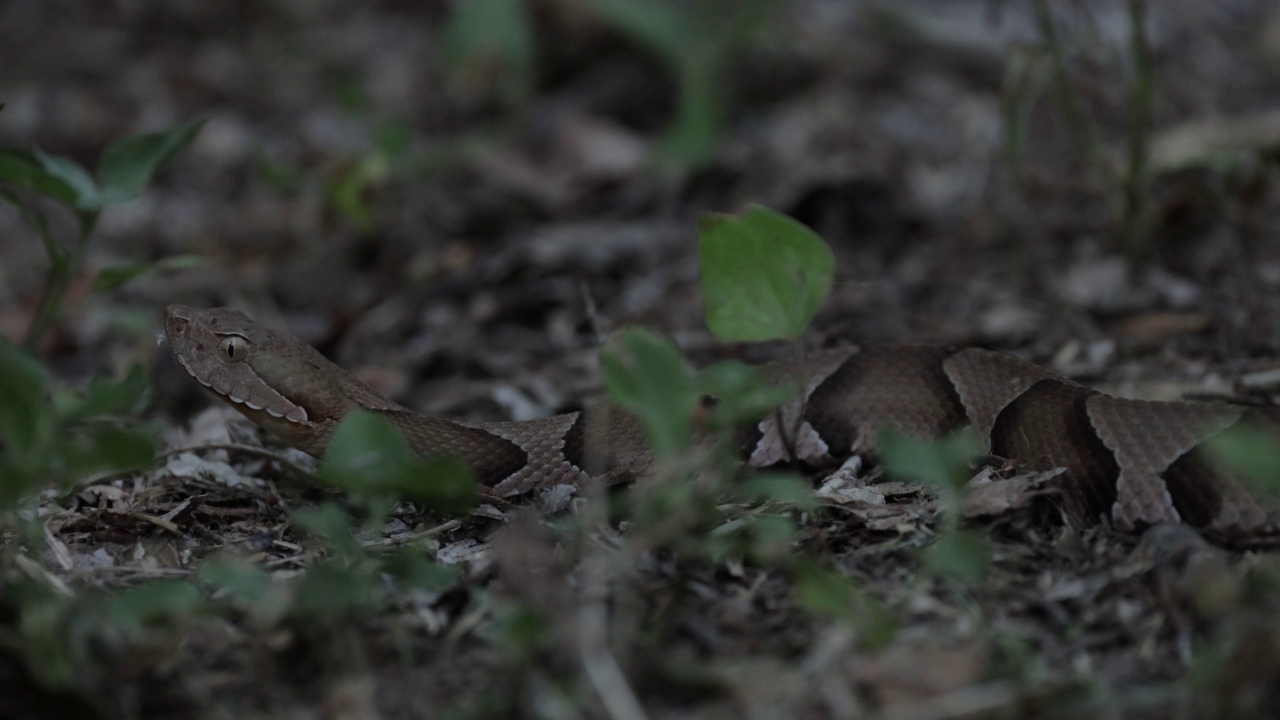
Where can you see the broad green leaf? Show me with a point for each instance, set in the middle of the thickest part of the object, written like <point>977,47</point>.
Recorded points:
<point>763,275</point>
<point>127,165</point>
<point>155,601</point>
<point>941,463</point>
<point>367,455</point>
<point>960,554</point>
<point>646,375</point>
<point>25,412</point>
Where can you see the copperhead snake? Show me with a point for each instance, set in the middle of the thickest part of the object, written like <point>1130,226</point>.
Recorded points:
<point>1135,463</point>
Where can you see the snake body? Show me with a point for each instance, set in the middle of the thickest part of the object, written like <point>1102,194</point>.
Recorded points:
<point>1135,463</point>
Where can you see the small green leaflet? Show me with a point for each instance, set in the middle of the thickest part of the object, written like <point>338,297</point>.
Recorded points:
<point>647,376</point>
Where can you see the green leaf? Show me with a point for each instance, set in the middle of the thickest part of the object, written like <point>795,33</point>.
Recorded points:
<point>831,595</point>
<point>741,393</point>
<point>332,525</point>
<point>440,484</point>
<point>113,277</point>
<point>25,414</point>
<point>763,275</point>
<point>666,28</point>
<point>368,455</point>
<point>364,442</point>
<point>786,488</point>
<point>1251,452</point>
<point>646,375</point>
<point>773,538</point>
<point>415,570</point>
<point>105,396</point>
<point>826,593</point>
<point>84,191</point>
<point>960,554</point>
<point>155,601</point>
<point>239,579</point>
<point>493,40</point>
<point>264,599</point>
<point>330,589</point>
<point>518,632</point>
<point>23,169</point>
<point>127,165</point>
<point>109,449</point>
<point>941,463</point>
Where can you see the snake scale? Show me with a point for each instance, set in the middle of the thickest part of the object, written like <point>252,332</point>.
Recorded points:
<point>1136,463</point>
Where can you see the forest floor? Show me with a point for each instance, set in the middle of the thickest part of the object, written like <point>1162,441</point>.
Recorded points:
<point>459,205</point>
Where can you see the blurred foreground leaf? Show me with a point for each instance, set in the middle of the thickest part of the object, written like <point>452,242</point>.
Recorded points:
<point>368,456</point>
<point>52,435</point>
<point>1250,451</point>
<point>647,376</point>
<point>830,595</point>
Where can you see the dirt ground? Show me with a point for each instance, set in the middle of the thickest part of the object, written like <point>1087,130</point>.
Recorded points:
<point>461,226</point>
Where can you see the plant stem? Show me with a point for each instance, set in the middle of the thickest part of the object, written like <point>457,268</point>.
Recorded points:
<point>1136,220</point>
<point>1067,96</point>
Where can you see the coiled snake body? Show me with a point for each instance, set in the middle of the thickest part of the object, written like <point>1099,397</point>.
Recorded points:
<point>1135,462</point>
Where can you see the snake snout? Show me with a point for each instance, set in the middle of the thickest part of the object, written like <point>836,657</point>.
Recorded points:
<point>176,318</point>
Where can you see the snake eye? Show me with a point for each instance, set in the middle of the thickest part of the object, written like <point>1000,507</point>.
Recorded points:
<point>235,349</point>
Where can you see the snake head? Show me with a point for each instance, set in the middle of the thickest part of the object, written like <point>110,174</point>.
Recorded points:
<point>272,377</point>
